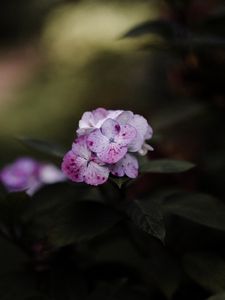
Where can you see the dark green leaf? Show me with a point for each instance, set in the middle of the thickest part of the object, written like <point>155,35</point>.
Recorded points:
<point>164,28</point>
<point>117,291</point>
<point>165,272</point>
<point>200,41</point>
<point>3,190</point>
<point>12,207</point>
<point>76,222</point>
<point>207,269</point>
<point>53,197</point>
<point>12,258</point>
<point>165,166</point>
<point>200,208</point>
<point>175,36</point>
<point>220,296</point>
<point>43,146</point>
<point>19,286</point>
<point>66,282</point>
<point>146,214</point>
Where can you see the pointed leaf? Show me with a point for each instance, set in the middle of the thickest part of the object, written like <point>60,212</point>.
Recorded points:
<point>165,166</point>
<point>146,214</point>
<point>43,146</point>
<point>164,28</point>
<point>76,222</point>
<point>12,207</point>
<point>200,208</point>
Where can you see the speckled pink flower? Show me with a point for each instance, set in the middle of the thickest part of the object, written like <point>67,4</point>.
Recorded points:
<point>128,166</point>
<point>110,142</point>
<point>107,141</point>
<point>94,120</point>
<point>81,165</point>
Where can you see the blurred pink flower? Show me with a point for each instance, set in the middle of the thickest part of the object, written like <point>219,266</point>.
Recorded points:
<point>27,174</point>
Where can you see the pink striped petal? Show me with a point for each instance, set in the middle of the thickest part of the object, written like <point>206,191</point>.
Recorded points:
<point>80,147</point>
<point>96,174</point>
<point>126,135</point>
<point>126,166</point>
<point>112,154</point>
<point>74,166</point>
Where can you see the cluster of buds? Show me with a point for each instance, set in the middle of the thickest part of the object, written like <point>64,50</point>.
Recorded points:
<point>107,142</point>
<point>27,174</point>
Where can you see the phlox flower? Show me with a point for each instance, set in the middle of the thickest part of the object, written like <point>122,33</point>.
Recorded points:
<point>108,142</point>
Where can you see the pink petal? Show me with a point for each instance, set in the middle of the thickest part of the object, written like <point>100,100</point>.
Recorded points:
<point>140,124</point>
<point>91,120</point>
<point>74,166</point>
<point>118,169</point>
<point>144,149</point>
<point>84,131</point>
<point>113,153</point>
<point>126,135</point>
<point>148,133</point>
<point>96,174</point>
<point>99,114</point>
<point>131,166</point>
<point>136,143</point>
<point>110,128</point>
<point>80,147</point>
<point>87,120</point>
<point>124,117</point>
<point>126,166</point>
<point>113,114</point>
<point>142,127</point>
<point>97,142</point>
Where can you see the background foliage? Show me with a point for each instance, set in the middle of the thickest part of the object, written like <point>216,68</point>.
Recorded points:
<point>158,237</point>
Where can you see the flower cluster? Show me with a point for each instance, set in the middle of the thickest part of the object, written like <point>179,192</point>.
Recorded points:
<point>106,143</point>
<point>27,174</point>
